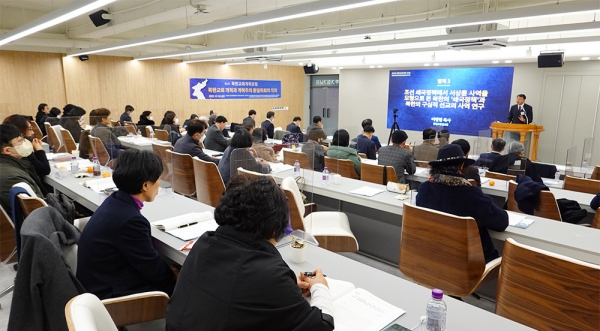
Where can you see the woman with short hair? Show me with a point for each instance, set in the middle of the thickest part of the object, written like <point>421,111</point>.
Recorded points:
<point>237,155</point>
<point>146,118</point>
<point>115,253</point>
<point>262,150</point>
<point>235,279</point>
<point>339,149</point>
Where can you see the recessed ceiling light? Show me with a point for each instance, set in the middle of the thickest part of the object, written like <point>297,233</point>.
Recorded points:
<point>508,61</point>
<point>427,64</point>
<point>301,63</point>
<point>380,66</point>
<point>341,68</point>
<point>585,58</point>
<point>371,67</point>
<point>495,62</point>
<point>436,64</point>
<point>334,68</point>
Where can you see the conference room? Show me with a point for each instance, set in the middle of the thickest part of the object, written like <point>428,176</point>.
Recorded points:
<point>392,133</point>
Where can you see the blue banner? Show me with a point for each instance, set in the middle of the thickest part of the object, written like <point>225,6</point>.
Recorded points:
<point>209,88</point>
<point>461,100</point>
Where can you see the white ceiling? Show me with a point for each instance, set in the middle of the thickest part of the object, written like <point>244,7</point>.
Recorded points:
<point>394,45</point>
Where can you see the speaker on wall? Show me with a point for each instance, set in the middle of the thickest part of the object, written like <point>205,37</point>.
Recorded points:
<point>551,60</point>
<point>97,18</point>
<point>311,69</point>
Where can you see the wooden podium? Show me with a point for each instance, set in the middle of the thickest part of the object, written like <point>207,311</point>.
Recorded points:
<point>499,128</point>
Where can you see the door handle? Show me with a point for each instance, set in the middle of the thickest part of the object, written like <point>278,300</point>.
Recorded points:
<point>327,112</point>
<point>323,112</point>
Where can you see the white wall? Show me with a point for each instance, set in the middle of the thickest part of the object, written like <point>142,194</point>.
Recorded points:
<point>569,112</point>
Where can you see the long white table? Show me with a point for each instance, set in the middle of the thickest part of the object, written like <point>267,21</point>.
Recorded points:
<point>141,143</point>
<point>378,219</point>
<point>397,291</point>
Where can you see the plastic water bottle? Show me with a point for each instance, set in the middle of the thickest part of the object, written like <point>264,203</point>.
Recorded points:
<point>325,176</point>
<point>96,167</point>
<point>151,135</point>
<point>557,175</point>
<point>74,165</point>
<point>139,133</point>
<point>297,167</point>
<point>584,163</point>
<point>436,311</point>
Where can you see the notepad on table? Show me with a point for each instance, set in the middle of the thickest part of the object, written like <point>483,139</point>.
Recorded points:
<point>359,310</point>
<point>188,226</point>
<point>99,185</point>
<point>280,167</point>
<point>519,220</point>
<point>366,191</point>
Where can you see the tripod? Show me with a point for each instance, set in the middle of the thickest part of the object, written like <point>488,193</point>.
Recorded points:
<point>395,125</point>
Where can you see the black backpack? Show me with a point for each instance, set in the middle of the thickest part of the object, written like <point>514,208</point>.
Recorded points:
<point>63,204</point>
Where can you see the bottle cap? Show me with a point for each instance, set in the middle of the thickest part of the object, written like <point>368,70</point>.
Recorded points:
<point>297,161</point>
<point>73,158</point>
<point>325,168</point>
<point>436,293</point>
<point>95,159</point>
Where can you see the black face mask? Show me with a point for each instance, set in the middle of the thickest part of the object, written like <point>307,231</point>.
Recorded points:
<point>30,138</point>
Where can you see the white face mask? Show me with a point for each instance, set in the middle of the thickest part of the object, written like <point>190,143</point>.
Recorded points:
<point>25,149</point>
<point>202,138</point>
<point>151,118</point>
<point>176,121</point>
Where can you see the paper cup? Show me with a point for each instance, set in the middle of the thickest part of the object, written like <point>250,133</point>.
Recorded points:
<point>337,179</point>
<point>298,254</point>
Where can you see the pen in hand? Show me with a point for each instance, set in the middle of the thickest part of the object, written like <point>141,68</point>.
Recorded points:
<point>310,274</point>
<point>186,225</point>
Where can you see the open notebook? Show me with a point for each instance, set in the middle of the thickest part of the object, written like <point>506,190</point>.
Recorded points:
<point>188,226</point>
<point>356,309</point>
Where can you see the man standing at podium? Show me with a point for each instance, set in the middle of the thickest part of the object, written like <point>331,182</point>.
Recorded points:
<point>521,113</point>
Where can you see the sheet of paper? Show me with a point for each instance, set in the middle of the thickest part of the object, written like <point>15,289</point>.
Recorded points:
<point>484,180</point>
<point>360,310</point>
<point>524,224</point>
<point>280,167</point>
<point>210,152</point>
<point>367,191</point>
<point>174,222</point>
<point>98,185</point>
<point>514,218</point>
<point>194,231</point>
<point>339,288</point>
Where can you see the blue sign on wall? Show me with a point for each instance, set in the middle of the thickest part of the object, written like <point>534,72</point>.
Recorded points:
<point>462,100</point>
<point>209,88</point>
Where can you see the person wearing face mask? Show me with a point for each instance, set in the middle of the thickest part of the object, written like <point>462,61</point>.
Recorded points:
<point>146,118</point>
<point>15,168</point>
<point>31,149</point>
<point>190,143</point>
<point>103,131</point>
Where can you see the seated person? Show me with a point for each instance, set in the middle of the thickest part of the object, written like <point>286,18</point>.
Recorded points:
<point>14,168</point>
<point>365,145</point>
<point>210,294</point>
<point>595,203</point>
<point>316,152</point>
<point>449,191</point>
<point>126,116</point>
<point>443,138</point>
<point>426,151</point>
<point>250,118</point>
<point>398,155</point>
<point>294,127</point>
<point>115,254</point>
<point>471,171</point>
<point>53,116</point>
<point>267,124</point>
<point>241,140</point>
<point>190,143</point>
<point>316,124</point>
<point>339,149</point>
<point>102,131</point>
<point>375,139</point>
<point>214,137</point>
<point>146,119</point>
<point>516,152</point>
<point>249,125</point>
<point>71,122</point>
<point>31,149</point>
<point>41,116</point>
<point>262,150</point>
<point>486,159</point>
<point>192,117</point>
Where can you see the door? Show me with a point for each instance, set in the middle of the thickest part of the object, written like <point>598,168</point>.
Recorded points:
<point>324,102</point>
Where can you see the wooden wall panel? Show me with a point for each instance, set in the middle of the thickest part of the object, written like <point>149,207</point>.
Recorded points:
<point>28,79</point>
<point>161,85</point>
